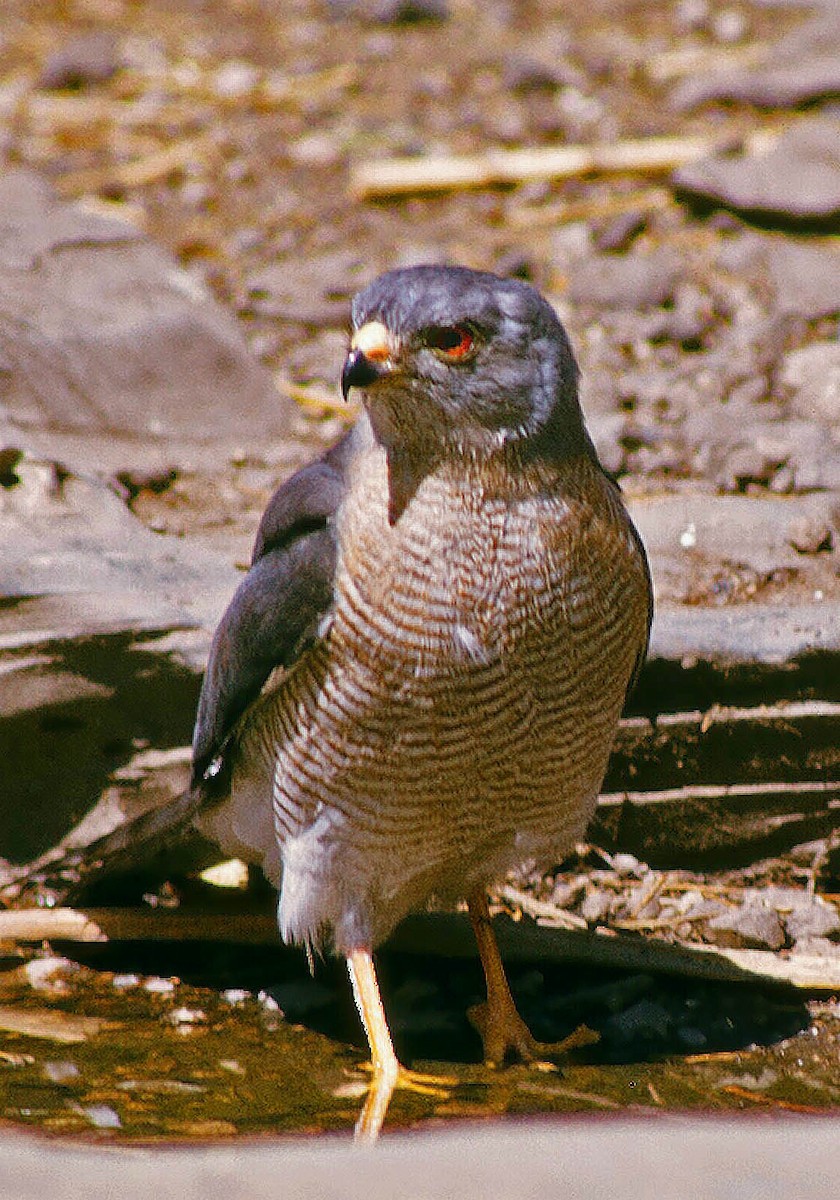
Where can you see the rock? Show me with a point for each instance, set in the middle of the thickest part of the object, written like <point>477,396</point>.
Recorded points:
<point>407,12</point>
<point>812,918</point>
<point>626,281</point>
<point>104,629</point>
<point>808,535</point>
<point>595,906</point>
<point>315,291</point>
<point>813,374</point>
<point>751,531</point>
<point>89,59</point>
<point>618,233</point>
<point>776,87</point>
<point>103,336</point>
<point>749,926</point>
<point>806,278</point>
<point>801,66</point>
<point>522,74</point>
<point>797,179</point>
<point>644,1021</point>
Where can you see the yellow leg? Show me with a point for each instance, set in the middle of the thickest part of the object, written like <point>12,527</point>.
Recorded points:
<point>387,1071</point>
<point>502,1030</point>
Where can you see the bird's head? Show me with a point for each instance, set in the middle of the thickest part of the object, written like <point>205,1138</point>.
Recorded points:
<point>454,361</point>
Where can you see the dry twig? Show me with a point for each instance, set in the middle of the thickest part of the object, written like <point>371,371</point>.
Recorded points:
<point>447,172</point>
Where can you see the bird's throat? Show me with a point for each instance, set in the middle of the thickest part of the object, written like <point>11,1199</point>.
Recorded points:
<point>407,468</point>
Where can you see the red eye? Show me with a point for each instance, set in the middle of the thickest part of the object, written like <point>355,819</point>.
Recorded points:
<point>454,341</point>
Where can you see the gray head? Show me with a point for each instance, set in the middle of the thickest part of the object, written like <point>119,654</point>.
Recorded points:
<point>462,359</point>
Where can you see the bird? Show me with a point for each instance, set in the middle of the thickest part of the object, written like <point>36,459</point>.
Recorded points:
<point>416,687</point>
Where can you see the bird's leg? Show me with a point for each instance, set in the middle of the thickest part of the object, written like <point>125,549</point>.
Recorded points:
<point>502,1030</point>
<point>387,1072</point>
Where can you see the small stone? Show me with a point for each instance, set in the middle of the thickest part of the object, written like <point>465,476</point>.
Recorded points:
<point>618,233</point>
<point>60,1072</point>
<point>812,373</point>
<point>522,74</point>
<point>101,1116</point>
<point>628,866</point>
<point>814,919</point>
<point>750,926</point>
<point>808,535</point>
<point>235,997</point>
<point>799,178</point>
<point>690,16</point>
<point>88,59</point>
<point>626,281</point>
<point>44,974</point>
<point>187,1016</point>
<point>806,278</point>
<point>821,947</point>
<point>728,26</point>
<point>595,907</point>
<point>643,1021</point>
<point>159,987</point>
<point>409,12</point>
<point>235,79</point>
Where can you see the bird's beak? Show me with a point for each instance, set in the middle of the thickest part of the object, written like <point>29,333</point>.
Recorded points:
<point>369,358</point>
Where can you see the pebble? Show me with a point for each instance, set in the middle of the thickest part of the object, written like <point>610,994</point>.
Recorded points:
<point>60,1072</point>
<point>619,232</point>
<point>809,535</point>
<point>235,996</point>
<point>628,866</point>
<point>89,59</point>
<point>101,1116</point>
<point>42,973</point>
<point>235,79</point>
<point>159,987</point>
<point>814,919</point>
<point>812,373</point>
<point>750,926</point>
<point>798,179</point>
<point>645,1021</point>
<point>187,1016</point>
<point>806,278</point>
<point>408,12</point>
<point>629,281</point>
<point>596,906</point>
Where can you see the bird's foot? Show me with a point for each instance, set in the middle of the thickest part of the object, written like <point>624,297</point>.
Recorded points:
<point>418,1082</point>
<point>507,1038</point>
<point>385,1080</point>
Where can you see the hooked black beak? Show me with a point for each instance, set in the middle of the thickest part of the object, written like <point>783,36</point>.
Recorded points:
<point>359,371</point>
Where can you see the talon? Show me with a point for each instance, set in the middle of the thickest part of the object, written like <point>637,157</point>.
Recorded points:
<point>503,1033</point>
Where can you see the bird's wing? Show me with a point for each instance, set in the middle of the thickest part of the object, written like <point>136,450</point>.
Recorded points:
<point>274,613</point>
<point>279,606</point>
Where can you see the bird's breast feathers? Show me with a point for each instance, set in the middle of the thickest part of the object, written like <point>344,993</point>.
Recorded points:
<point>469,574</point>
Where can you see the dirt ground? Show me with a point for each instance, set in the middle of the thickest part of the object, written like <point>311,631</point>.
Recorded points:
<point>230,133</point>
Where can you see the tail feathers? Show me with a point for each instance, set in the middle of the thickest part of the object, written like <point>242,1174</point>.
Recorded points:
<point>129,849</point>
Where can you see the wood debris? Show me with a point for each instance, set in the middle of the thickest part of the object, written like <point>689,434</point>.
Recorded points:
<point>444,172</point>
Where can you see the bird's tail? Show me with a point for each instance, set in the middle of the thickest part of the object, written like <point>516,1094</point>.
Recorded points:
<point>135,846</point>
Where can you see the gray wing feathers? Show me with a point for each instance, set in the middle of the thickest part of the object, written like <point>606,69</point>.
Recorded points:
<point>278,606</point>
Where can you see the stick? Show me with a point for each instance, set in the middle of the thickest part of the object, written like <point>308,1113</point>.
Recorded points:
<point>136,925</point>
<point>444,934</point>
<point>138,171</point>
<point>438,173</point>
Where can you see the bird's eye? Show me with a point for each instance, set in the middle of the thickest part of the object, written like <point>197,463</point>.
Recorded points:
<point>452,341</point>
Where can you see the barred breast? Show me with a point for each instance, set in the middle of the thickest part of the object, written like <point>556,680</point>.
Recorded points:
<point>456,718</point>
